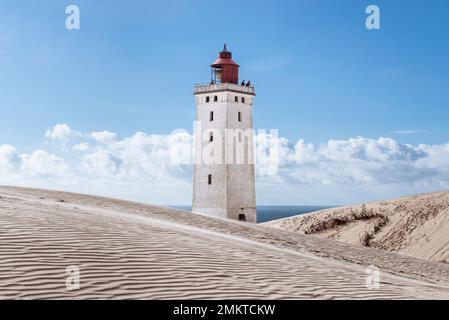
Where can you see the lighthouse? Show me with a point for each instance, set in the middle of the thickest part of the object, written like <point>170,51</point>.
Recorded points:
<point>223,179</point>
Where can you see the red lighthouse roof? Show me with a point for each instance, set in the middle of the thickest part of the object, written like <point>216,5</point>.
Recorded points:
<point>224,57</point>
<point>224,69</point>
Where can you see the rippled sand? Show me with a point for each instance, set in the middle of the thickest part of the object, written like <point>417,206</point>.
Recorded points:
<point>130,250</point>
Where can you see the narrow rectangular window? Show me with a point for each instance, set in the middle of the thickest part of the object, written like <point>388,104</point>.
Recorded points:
<point>215,98</point>
<point>236,99</point>
<point>243,99</point>
<point>211,116</point>
<point>240,116</point>
<point>240,137</point>
<point>211,137</point>
<point>207,99</point>
<point>209,179</point>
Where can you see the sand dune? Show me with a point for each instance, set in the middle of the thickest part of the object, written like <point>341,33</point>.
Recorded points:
<point>416,226</point>
<point>130,250</point>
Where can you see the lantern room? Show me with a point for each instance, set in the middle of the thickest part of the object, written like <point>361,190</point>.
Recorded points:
<point>224,69</point>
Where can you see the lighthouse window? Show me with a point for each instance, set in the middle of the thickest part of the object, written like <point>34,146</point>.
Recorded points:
<point>243,99</point>
<point>207,99</point>
<point>239,116</point>
<point>211,137</point>
<point>215,98</point>
<point>242,217</point>
<point>209,179</point>
<point>211,116</point>
<point>236,99</point>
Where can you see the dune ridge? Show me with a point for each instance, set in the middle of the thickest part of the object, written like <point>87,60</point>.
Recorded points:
<point>128,250</point>
<point>417,226</point>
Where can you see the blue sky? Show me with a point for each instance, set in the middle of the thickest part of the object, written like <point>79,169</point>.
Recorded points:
<point>320,75</point>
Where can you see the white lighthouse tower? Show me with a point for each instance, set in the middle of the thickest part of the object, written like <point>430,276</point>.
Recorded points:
<point>224,182</point>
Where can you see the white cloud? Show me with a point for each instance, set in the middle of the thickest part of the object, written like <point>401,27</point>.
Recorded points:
<point>61,132</point>
<point>103,136</point>
<point>361,161</point>
<point>103,164</point>
<point>41,163</point>
<point>353,169</point>
<point>142,157</point>
<point>83,146</point>
<point>9,158</point>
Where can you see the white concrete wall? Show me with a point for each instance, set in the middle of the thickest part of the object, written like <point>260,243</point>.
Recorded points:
<point>233,185</point>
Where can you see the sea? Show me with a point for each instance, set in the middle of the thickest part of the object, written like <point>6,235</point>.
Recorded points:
<point>268,213</point>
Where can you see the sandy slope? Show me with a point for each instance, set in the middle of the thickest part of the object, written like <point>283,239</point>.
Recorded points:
<point>131,250</point>
<point>416,226</point>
